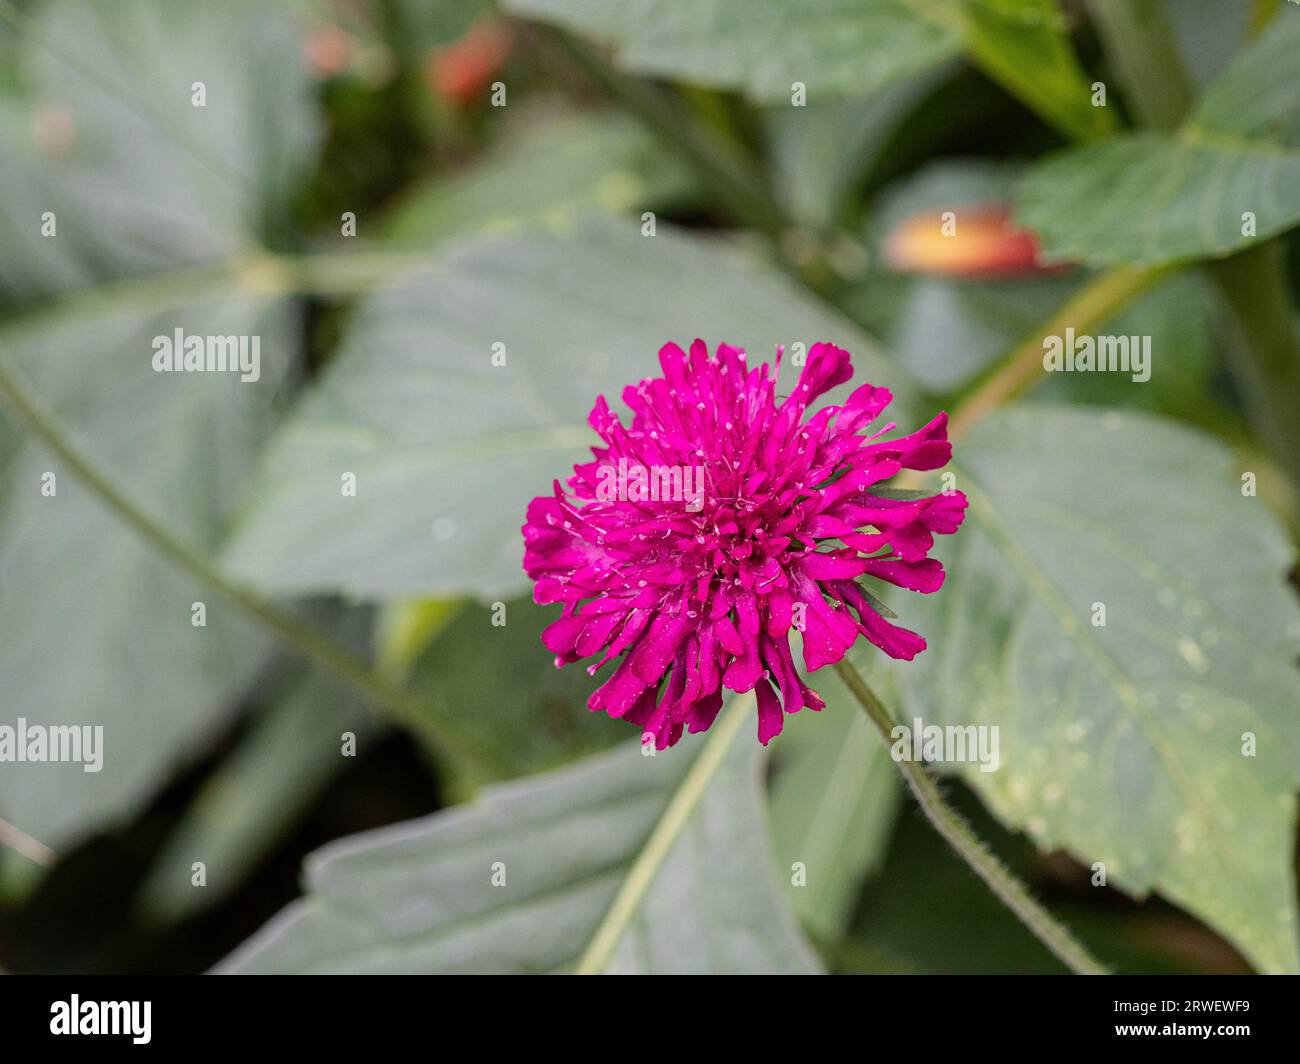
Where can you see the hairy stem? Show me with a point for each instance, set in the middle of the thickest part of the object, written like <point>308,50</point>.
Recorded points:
<point>312,644</point>
<point>641,875</point>
<point>950,824</point>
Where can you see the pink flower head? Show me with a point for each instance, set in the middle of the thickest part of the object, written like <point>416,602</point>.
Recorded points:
<point>720,520</point>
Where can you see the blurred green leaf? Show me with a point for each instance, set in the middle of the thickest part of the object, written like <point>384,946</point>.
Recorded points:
<point>421,25</point>
<point>1256,96</point>
<point>1148,198</point>
<point>947,330</point>
<point>406,629</point>
<point>543,170</point>
<point>1124,743</point>
<point>819,153</point>
<point>832,46</point>
<point>98,628</point>
<point>449,448</point>
<point>19,878</point>
<point>419,897</point>
<point>841,47</point>
<point>942,184</point>
<point>1026,45</point>
<point>502,686</point>
<point>138,178</point>
<point>1208,34</point>
<point>245,809</point>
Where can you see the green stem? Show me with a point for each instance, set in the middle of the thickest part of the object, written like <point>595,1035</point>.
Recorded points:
<point>673,819</point>
<point>306,640</point>
<point>949,823</point>
<point>1097,302</point>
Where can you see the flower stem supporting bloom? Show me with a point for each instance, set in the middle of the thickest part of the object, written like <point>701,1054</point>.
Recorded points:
<point>674,818</point>
<point>950,824</point>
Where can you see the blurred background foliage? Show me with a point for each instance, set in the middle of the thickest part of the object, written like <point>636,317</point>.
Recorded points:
<point>523,225</point>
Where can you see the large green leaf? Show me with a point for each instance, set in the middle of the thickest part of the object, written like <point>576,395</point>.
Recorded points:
<point>74,578</point>
<point>841,47</point>
<point>419,897</point>
<point>543,169</point>
<point>1150,198</point>
<point>832,46</point>
<point>98,628</point>
<point>1123,743</point>
<point>446,447</point>
<point>139,178</point>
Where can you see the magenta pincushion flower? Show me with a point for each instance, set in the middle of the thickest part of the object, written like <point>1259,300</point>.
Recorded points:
<point>720,520</point>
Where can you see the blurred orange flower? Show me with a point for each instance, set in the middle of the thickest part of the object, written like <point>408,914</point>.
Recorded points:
<point>976,240</point>
<point>328,51</point>
<point>460,71</point>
